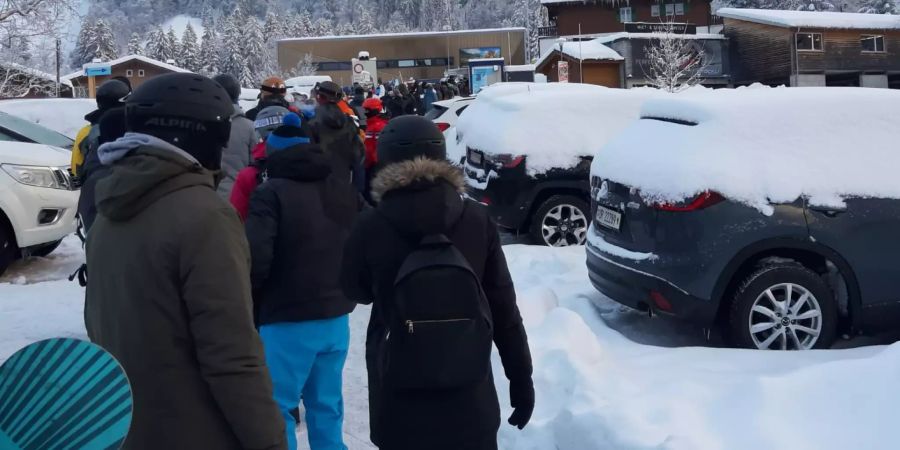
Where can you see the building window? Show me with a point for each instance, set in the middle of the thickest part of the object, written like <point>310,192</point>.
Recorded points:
<point>129,73</point>
<point>625,15</point>
<point>406,63</point>
<point>872,43</point>
<point>679,9</point>
<point>141,73</point>
<point>809,42</point>
<point>654,10</point>
<point>670,9</point>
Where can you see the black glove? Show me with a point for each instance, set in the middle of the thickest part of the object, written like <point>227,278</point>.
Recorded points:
<point>521,395</point>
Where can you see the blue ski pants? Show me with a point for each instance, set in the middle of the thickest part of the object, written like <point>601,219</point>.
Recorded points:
<point>306,359</point>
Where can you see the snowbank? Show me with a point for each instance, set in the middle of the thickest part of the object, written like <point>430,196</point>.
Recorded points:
<point>63,115</point>
<point>813,19</point>
<point>554,125</point>
<point>762,146</point>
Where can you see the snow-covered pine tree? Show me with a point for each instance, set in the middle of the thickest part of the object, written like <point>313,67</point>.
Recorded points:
<point>365,23</point>
<point>410,10</point>
<point>273,28</point>
<point>208,59</point>
<point>673,63</point>
<point>134,45</point>
<point>433,15</point>
<point>173,46</point>
<point>304,27</point>
<point>104,42</point>
<point>82,53</point>
<point>816,5</point>
<point>190,51</point>
<point>879,7</point>
<point>256,54</point>
<point>323,27</point>
<point>305,67</point>
<point>159,46</point>
<point>231,55</point>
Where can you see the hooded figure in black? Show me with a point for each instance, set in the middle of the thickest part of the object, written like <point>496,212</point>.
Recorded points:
<point>419,194</point>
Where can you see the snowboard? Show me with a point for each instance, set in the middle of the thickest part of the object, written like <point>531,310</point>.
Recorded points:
<point>63,394</point>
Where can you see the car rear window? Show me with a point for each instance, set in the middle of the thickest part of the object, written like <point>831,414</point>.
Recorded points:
<point>436,112</point>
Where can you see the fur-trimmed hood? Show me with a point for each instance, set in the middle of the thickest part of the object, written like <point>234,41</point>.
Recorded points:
<point>417,171</point>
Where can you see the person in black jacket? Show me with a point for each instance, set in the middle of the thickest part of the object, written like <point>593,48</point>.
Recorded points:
<point>272,92</point>
<point>419,194</point>
<point>298,222</point>
<point>393,103</point>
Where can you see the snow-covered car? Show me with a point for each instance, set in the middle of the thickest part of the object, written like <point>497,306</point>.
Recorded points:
<point>529,149</point>
<point>770,212</point>
<point>37,199</point>
<point>445,114</point>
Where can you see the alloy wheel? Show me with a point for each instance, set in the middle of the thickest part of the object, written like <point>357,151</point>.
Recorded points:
<point>785,316</point>
<point>564,225</point>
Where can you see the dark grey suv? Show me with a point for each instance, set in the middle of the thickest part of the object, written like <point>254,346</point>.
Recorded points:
<point>782,281</point>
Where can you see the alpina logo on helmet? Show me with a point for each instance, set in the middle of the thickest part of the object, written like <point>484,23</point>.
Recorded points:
<point>172,122</point>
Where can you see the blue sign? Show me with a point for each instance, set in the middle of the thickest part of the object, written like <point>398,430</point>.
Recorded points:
<point>97,70</point>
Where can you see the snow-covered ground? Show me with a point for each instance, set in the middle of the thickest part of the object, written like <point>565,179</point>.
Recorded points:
<point>606,378</point>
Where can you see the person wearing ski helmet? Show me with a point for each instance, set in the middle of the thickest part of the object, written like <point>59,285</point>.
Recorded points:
<point>169,290</point>
<point>376,120</point>
<point>336,129</point>
<point>272,92</point>
<point>237,154</point>
<point>110,94</point>
<point>419,194</point>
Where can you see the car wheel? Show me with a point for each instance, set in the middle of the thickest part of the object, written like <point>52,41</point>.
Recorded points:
<point>45,250</point>
<point>8,250</point>
<point>562,220</point>
<point>783,307</point>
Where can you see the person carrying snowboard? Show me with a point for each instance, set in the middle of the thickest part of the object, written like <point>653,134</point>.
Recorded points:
<point>169,290</point>
<point>298,222</point>
<point>431,264</point>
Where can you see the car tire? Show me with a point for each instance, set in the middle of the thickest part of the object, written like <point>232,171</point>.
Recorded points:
<point>561,216</point>
<point>8,248</point>
<point>761,317</point>
<point>45,250</point>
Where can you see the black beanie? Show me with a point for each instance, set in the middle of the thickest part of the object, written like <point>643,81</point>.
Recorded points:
<point>409,137</point>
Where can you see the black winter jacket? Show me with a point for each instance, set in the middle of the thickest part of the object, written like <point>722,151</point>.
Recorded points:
<point>417,198</point>
<point>298,222</point>
<point>339,138</point>
<point>272,100</point>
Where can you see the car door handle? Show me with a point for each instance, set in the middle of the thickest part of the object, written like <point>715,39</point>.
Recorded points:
<point>829,212</point>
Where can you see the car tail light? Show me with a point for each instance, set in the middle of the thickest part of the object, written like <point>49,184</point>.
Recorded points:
<point>443,126</point>
<point>704,200</point>
<point>508,161</point>
<point>660,301</point>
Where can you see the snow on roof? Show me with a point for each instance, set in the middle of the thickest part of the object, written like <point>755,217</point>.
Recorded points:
<point>584,50</point>
<point>35,72</point>
<point>813,19</point>
<point>762,146</point>
<point>127,58</point>
<point>523,68</point>
<point>612,37</point>
<point>554,125</point>
<point>402,35</point>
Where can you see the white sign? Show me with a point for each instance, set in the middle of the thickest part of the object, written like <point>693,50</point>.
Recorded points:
<point>365,72</point>
<point>563,72</point>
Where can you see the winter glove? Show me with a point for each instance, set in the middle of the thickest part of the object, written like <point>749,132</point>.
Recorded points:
<point>521,395</point>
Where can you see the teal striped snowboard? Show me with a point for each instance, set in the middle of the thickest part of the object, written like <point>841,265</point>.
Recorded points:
<point>63,394</point>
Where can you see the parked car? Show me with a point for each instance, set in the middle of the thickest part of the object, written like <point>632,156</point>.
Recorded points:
<point>529,149</point>
<point>445,114</point>
<point>37,199</point>
<point>774,230</point>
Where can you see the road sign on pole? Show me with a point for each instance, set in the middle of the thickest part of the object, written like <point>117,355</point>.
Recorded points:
<point>563,72</point>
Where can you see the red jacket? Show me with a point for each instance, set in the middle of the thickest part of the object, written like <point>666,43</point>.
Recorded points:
<point>246,182</point>
<point>374,125</point>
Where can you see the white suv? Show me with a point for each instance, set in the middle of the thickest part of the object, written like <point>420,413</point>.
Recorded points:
<point>38,201</point>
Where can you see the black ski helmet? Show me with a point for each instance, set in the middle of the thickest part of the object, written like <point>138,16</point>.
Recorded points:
<point>230,84</point>
<point>187,110</point>
<point>330,90</point>
<point>111,93</point>
<point>409,137</point>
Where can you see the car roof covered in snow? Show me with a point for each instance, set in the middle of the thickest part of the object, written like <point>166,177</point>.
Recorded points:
<point>761,146</point>
<point>554,124</point>
<point>813,19</point>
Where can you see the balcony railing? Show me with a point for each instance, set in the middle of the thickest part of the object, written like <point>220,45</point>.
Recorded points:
<point>550,31</point>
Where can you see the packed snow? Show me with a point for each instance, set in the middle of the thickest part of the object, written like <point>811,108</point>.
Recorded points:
<point>554,125</point>
<point>813,19</point>
<point>597,386</point>
<point>584,50</point>
<point>761,146</point>
<point>63,115</point>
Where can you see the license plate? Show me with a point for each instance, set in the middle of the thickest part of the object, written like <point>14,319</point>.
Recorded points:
<point>475,157</point>
<point>609,218</point>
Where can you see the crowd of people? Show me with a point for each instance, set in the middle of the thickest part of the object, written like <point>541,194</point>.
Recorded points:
<point>226,249</point>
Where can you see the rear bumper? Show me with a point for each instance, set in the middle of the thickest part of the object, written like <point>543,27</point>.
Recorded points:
<point>643,291</point>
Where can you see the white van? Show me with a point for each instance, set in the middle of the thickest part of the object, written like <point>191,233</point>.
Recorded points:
<point>303,85</point>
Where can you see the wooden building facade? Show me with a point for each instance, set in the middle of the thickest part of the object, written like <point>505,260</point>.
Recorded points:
<point>799,48</point>
<point>137,69</point>
<point>585,17</point>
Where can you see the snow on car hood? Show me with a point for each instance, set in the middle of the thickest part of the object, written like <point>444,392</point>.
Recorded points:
<point>762,146</point>
<point>33,154</point>
<point>554,125</point>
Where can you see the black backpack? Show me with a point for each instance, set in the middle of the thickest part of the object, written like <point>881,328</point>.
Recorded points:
<point>440,330</point>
